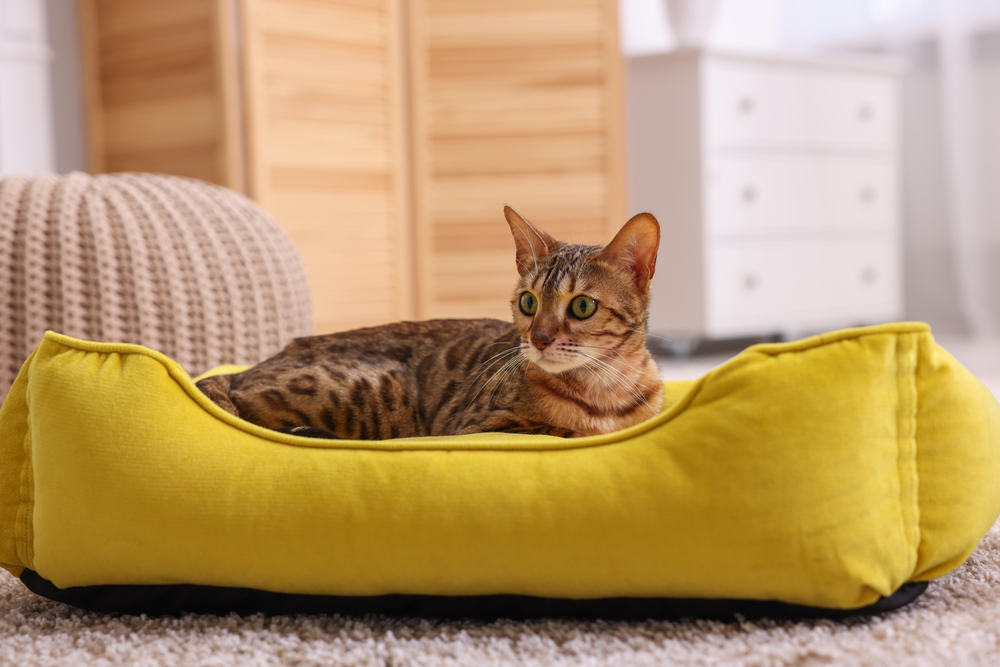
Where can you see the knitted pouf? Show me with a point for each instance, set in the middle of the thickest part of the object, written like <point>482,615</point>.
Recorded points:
<point>193,270</point>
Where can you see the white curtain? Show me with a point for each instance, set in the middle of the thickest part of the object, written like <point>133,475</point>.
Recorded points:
<point>963,64</point>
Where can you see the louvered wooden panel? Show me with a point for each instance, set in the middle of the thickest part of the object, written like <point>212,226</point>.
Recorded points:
<point>513,102</point>
<point>326,149</point>
<point>161,88</point>
<point>389,170</point>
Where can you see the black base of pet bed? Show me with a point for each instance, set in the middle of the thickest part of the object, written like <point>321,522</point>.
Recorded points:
<point>168,600</point>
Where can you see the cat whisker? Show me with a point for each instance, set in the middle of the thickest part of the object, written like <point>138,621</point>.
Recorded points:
<point>612,368</point>
<point>532,228</point>
<point>531,246</point>
<point>638,397</point>
<point>506,374</point>
<point>492,378</point>
<point>494,358</point>
<point>633,390</point>
<point>586,262</point>
<point>472,401</point>
<point>620,355</point>
<point>500,376</point>
<point>666,338</point>
<point>518,261</point>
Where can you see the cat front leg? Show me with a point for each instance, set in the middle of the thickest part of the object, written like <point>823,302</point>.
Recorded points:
<point>549,429</point>
<point>538,428</point>
<point>526,426</point>
<point>311,432</point>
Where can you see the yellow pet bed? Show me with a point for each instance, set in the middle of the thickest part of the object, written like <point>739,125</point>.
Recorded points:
<point>830,473</point>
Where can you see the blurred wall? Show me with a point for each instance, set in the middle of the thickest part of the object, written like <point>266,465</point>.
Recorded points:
<point>68,118</point>
<point>26,143</point>
<point>931,273</point>
<point>737,24</point>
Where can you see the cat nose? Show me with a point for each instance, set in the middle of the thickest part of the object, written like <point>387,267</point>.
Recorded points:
<point>540,340</point>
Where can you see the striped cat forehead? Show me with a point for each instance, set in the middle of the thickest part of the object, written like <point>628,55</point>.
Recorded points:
<point>562,268</point>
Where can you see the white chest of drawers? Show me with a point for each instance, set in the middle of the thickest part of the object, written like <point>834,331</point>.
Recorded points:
<point>775,182</point>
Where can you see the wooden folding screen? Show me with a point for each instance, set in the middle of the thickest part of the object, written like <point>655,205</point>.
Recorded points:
<point>384,135</point>
<point>513,102</point>
<point>326,149</point>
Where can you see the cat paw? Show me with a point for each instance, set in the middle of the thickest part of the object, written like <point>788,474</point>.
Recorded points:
<point>310,432</point>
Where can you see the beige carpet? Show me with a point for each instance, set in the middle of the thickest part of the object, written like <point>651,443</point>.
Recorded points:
<point>955,623</point>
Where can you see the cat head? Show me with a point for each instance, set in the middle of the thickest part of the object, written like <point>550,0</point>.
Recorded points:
<point>576,304</point>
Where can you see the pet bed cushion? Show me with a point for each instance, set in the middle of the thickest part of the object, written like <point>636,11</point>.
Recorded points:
<point>827,472</point>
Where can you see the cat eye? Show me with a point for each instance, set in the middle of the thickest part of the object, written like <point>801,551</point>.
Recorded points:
<point>528,303</point>
<point>582,307</point>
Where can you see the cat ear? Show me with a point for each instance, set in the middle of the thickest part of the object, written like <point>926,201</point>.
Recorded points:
<point>531,243</point>
<point>634,248</point>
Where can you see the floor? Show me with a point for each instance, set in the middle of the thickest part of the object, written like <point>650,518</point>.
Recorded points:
<point>980,356</point>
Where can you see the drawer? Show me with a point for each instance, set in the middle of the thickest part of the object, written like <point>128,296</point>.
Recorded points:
<point>779,194</point>
<point>787,283</point>
<point>752,104</point>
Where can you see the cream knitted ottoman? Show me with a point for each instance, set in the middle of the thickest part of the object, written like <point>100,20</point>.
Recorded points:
<point>193,270</point>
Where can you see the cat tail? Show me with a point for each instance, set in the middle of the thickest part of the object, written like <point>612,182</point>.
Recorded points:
<point>217,390</point>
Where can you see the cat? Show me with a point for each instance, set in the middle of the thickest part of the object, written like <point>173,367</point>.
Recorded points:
<point>572,363</point>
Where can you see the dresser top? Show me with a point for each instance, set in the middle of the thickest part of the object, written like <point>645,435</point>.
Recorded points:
<point>859,62</point>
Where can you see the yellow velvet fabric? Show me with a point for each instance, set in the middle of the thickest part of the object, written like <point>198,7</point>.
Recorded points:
<point>824,472</point>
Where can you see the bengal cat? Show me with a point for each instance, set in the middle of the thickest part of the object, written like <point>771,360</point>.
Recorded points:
<point>573,362</point>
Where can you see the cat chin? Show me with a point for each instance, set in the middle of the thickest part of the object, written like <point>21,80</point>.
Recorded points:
<point>555,367</point>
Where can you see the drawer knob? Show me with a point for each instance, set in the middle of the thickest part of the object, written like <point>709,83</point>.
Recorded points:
<point>750,282</point>
<point>747,105</point>
<point>866,112</point>
<point>749,194</point>
<point>869,275</point>
<point>868,194</point>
